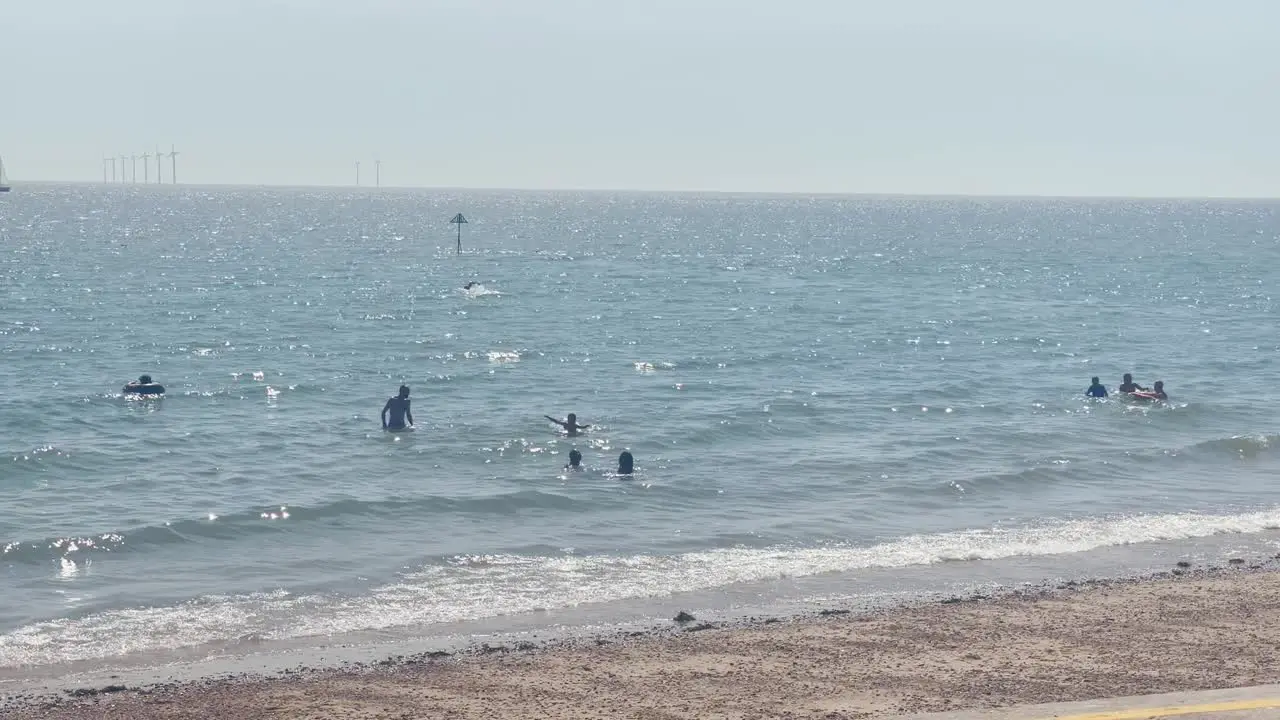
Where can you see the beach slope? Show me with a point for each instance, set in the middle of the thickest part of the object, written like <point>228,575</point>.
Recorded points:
<point>1194,631</point>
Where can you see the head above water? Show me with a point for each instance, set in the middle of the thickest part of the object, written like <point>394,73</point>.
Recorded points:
<point>404,391</point>
<point>575,457</point>
<point>572,419</point>
<point>1159,385</point>
<point>144,379</point>
<point>1095,380</point>
<point>1128,377</point>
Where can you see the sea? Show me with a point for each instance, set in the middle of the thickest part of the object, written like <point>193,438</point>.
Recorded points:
<point>830,400</point>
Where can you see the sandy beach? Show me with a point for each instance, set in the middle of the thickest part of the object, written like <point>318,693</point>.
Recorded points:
<point>1190,629</point>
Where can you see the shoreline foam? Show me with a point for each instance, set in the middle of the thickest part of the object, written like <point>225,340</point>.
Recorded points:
<point>1185,629</point>
<point>562,590</point>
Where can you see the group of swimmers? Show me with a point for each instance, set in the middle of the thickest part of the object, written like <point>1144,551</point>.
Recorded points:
<point>397,415</point>
<point>1129,388</point>
<point>397,411</point>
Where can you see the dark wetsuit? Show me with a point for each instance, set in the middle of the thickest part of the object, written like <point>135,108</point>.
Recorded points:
<point>134,388</point>
<point>398,408</point>
<point>1097,391</point>
<point>625,463</point>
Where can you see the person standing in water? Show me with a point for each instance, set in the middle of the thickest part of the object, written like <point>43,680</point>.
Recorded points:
<point>1097,389</point>
<point>398,408</point>
<point>570,424</point>
<point>575,460</point>
<point>1129,385</point>
<point>626,464</point>
<point>1158,391</point>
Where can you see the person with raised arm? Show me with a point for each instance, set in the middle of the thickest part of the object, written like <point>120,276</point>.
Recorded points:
<point>570,423</point>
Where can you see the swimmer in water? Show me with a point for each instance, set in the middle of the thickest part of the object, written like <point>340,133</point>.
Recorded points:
<point>626,464</point>
<point>399,408</point>
<point>1129,385</point>
<point>570,424</point>
<point>1097,389</point>
<point>1158,391</point>
<point>575,460</point>
<point>144,386</point>
<point>470,285</point>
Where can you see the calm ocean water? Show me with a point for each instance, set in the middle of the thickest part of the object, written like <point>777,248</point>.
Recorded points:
<point>808,385</point>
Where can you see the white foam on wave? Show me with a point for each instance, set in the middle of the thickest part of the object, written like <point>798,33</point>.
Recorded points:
<point>643,366</point>
<point>495,585</point>
<point>476,291</point>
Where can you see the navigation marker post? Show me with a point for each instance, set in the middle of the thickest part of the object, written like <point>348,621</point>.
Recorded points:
<point>459,221</point>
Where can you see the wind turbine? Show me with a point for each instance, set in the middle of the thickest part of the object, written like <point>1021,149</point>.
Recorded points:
<point>146,168</point>
<point>173,159</point>
<point>159,159</point>
<point>133,159</point>
<point>377,173</point>
<point>104,171</point>
<point>357,173</point>
<point>122,180</point>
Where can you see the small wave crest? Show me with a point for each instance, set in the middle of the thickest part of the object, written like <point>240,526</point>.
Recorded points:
<point>644,366</point>
<point>1243,446</point>
<point>213,526</point>
<point>37,453</point>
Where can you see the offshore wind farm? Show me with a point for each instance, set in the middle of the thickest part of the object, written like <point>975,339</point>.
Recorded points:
<point>123,169</point>
<point>128,173</point>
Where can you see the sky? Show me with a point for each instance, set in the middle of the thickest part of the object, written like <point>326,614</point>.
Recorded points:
<point>1003,97</point>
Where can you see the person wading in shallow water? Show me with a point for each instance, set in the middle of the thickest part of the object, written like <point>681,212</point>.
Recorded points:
<point>398,408</point>
<point>1129,385</point>
<point>570,423</point>
<point>575,460</point>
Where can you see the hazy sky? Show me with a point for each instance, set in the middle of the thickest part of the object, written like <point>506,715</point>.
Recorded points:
<point>1126,97</point>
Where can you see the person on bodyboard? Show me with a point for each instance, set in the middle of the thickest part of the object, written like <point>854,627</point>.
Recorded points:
<point>144,386</point>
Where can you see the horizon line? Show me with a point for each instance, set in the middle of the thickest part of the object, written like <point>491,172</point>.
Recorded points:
<point>644,191</point>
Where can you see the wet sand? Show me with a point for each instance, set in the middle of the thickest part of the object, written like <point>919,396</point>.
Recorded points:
<point>1199,629</point>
